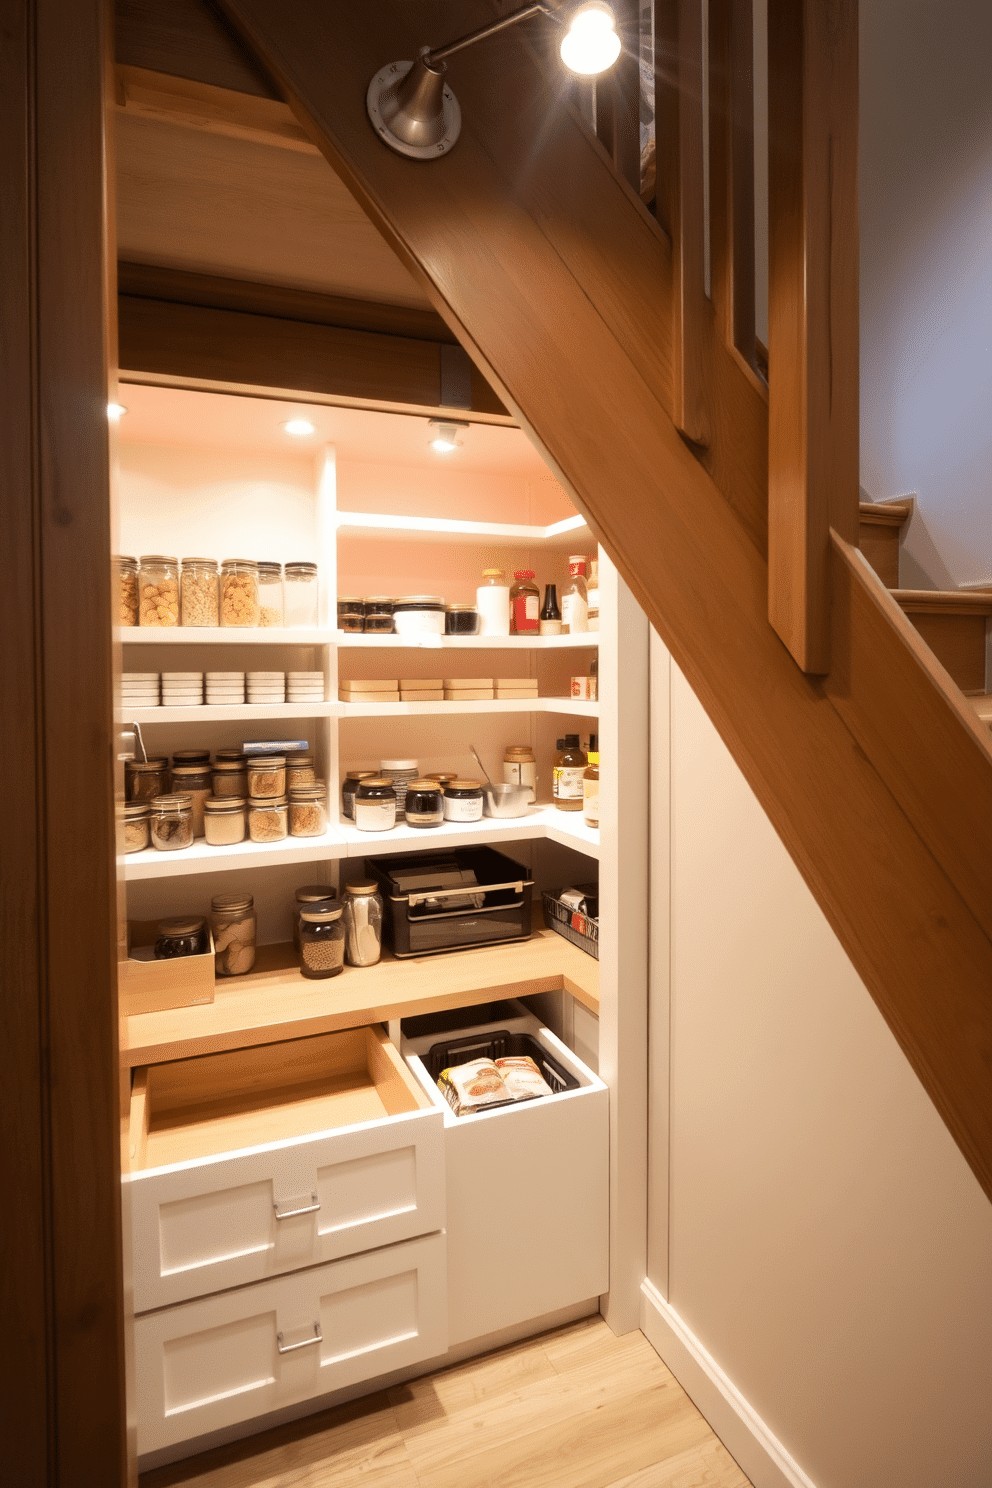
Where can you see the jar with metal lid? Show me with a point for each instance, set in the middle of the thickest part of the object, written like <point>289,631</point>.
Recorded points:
<point>233,923</point>
<point>463,801</point>
<point>300,596</point>
<point>308,810</point>
<point>181,935</point>
<point>126,570</point>
<point>171,822</point>
<point>418,615</point>
<point>352,781</point>
<point>424,804</point>
<point>379,614</point>
<point>225,820</point>
<point>230,777</point>
<point>267,775</point>
<point>239,592</point>
<point>375,805</point>
<point>158,591</point>
<point>307,895</point>
<point>363,923</point>
<point>443,777</point>
<point>270,605</point>
<point>461,619</point>
<point>199,592</point>
<point>400,772</point>
<point>525,603</point>
<point>492,600</point>
<point>135,826</point>
<point>190,757</point>
<point>351,614</point>
<point>195,781</point>
<point>145,779</point>
<point>520,767</point>
<point>268,818</point>
<point>322,936</point>
<point>299,769</point>
<point>231,753</point>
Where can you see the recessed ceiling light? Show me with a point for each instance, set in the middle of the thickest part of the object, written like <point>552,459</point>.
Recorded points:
<point>299,427</point>
<point>444,434</point>
<point>115,411</point>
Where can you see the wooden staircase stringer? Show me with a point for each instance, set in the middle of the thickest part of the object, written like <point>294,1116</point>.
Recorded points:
<point>545,326</point>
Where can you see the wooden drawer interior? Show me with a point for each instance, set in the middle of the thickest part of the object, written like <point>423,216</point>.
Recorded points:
<point>216,1103</point>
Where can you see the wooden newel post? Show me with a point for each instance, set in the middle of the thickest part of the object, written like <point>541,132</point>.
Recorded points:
<point>812,312</point>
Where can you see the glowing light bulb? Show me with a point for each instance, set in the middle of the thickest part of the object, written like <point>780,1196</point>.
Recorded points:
<point>591,44</point>
<point>115,411</point>
<point>299,428</point>
<point>445,434</point>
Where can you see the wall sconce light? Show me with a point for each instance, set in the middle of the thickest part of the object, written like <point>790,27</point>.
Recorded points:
<point>414,111</point>
<point>444,434</point>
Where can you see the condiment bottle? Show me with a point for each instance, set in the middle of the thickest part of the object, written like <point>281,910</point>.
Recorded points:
<point>575,600</point>
<point>593,594</point>
<point>492,600</point>
<point>520,767</point>
<point>590,788</point>
<point>570,767</point>
<point>550,621</point>
<point>525,603</point>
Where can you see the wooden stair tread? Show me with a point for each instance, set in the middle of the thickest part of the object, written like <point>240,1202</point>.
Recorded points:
<point>982,704</point>
<point>885,513</point>
<point>944,601</point>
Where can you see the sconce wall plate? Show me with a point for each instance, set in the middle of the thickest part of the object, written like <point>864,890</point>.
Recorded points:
<point>421,119</point>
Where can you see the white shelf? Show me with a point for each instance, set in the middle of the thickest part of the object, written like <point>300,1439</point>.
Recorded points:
<point>220,635</point>
<point>346,841</point>
<point>567,706</point>
<point>234,713</point>
<point>468,643</point>
<point>573,531</point>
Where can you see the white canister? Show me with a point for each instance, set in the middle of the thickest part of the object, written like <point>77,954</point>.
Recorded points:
<point>492,600</point>
<point>463,801</point>
<point>520,767</point>
<point>419,615</point>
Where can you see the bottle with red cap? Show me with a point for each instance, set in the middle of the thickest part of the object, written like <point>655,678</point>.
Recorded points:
<point>575,600</point>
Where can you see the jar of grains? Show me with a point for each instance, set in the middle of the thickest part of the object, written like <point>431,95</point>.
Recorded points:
<point>158,589</point>
<point>145,779</point>
<point>268,818</point>
<point>322,936</point>
<point>199,592</point>
<point>238,592</point>
<point>270,594</point>
<point>127,590</point>
<point>308,810</point>
<point>267,775</point>
<point>225,820</point>
<point>230,777</point>
<point>135,826</point>
<point>307,895</point>
<point>300,595</point>
<point>232,920</point>
<point>194,781</point>
<point>299,770</point>
<point>171,823</point>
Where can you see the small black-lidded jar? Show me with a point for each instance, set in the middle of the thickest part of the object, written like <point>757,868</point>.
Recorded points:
<point>322,936</point>
<point>375,805</point>
<point>424,804</point>
<point>352,781</point>
<point>461,619</point>
<point>306,898</point>
<point>350,607</point>
<point>463,801</point>
<point>183,935</point>
<point>379,614</point>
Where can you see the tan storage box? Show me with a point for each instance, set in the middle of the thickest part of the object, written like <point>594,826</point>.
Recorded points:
<point>150,986</point>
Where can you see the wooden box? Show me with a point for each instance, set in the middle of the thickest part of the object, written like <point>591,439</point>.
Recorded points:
<point>150,986</point>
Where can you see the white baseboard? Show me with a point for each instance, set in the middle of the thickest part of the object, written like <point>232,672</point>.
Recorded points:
<point>748,1440</point>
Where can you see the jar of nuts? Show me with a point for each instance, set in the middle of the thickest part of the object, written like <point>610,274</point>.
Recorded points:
<point>158,589</point>
<point>267,775</point>
<point>127,590</point>
<point>199,592</point>
<point>270,594</point>
<point>267,819</point>
<point>232,920</point>
<point>308,810</point>
<point>239,592</point>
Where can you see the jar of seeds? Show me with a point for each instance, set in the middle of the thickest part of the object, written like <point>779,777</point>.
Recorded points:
<point>270,594</point>
<point>306,896</point>
<point>308,810</point>
<point>239,592</point>
<point>267,818</point>
<point>232,920</point>
<point>127,590</point>
<point>135,826</point>
<point>199,592</point>
<point>322,937</point>
<point>171,823</point>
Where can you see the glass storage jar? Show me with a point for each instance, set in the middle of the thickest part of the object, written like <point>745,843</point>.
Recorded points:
<point>352,781</point>
<point>267,775</point>
<point>199,592</point>
<point>424,804</point>
<point>375,805</point>
<point>181,935</point>
<point>362,923</point>
<point>194,781</point>
<point>230,777</point>
<point>171,823</point>
<point>126,570</point>
<point>461,619</point>
<point>308,895</point>
<point>135,826</point>
<point>300,596</point>
<point>225,820</point>
<point>463,801</point>
<point>270,611</point>
<point>268,818</point>
<point>308,810</point>
<point>299,770</point>
<point>145,779</point>
<point>158,591</point>
<point>233,923</point>
<point>231,754</point>
<point>525,603</point>
<point>379,614</point>
<point>239,592</point>
<point>351,614</point>
<point>191,757</point>
<point>322,936</point>
<point>520,767</point>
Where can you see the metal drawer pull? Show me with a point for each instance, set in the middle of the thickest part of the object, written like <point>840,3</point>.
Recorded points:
<point>310,1208</point>
<point>290,1348</point>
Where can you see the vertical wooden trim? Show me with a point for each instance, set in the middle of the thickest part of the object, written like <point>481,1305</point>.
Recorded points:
<point>60,1155</point>
<point>618,99</point>
<point>731,63</point>
<point>690,327</point>
<point>812,312</point>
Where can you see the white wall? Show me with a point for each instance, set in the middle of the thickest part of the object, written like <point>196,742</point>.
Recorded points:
<point>926,278</point>
<point>827,1243</point>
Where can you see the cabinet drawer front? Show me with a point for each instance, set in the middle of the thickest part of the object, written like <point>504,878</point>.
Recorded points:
<point>220,1222</point>
<point>220,1360</point>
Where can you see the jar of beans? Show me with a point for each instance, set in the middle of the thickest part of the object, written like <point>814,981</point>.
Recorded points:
<point>127,590</point>
<point>158,590</point>
<point>239,605</point>
<point>322,936</point>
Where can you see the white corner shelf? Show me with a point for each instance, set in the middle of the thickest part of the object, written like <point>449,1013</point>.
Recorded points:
<point>201,858</point>
<point>572,530</point>
<point>569,707</point>
<point>348,642</point>
<point>234,713</point>
<point>220,635</point>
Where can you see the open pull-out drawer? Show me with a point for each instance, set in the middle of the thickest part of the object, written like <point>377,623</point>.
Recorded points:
<point>220,1360</point>
<point>259,1161</point>
<point>528,1221</point>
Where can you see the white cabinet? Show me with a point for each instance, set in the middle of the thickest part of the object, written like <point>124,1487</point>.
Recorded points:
<point>224,1359</point>
<point>259,1161</point>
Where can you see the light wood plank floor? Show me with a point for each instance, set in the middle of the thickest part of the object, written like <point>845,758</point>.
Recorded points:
<point>577,1408</point>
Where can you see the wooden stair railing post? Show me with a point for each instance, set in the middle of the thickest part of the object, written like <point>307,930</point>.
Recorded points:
<point>618,99</point>
<point>812,312</point>
<point>732,257</point>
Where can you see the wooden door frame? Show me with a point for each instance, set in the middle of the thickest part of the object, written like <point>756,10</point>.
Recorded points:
<point>63,1377</point>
